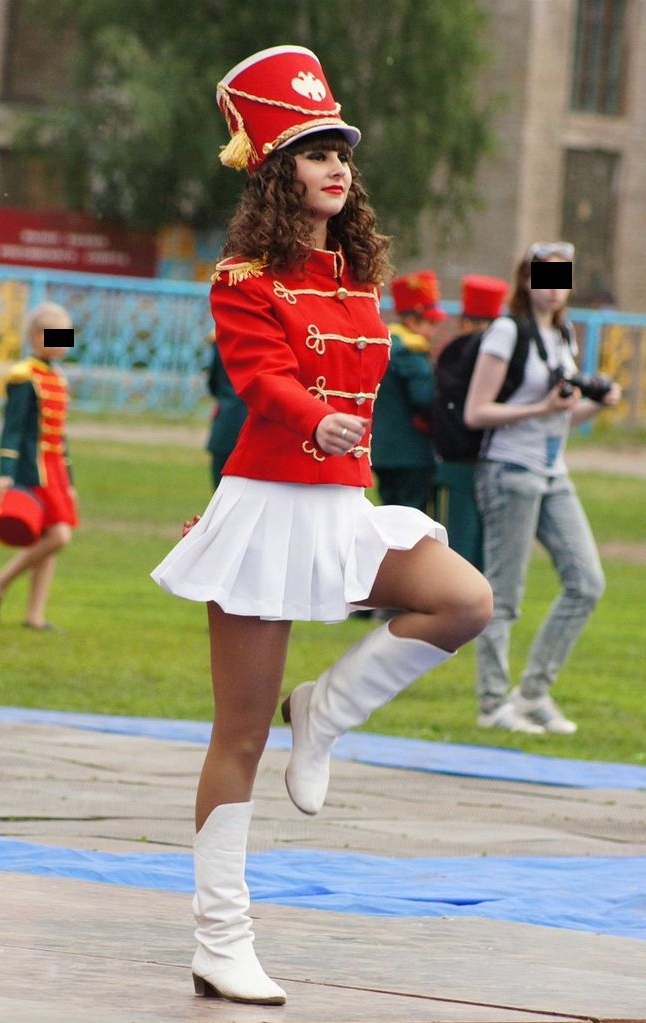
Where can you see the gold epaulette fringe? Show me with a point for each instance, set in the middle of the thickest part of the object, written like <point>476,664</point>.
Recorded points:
<point>239,271</point>
<point>410,340</point>
<point>19,373</point>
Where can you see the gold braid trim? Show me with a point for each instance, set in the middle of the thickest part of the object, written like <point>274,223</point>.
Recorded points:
<point>240,151</point>
<point>314,452</point>
<point>297,129</point>
<point>222,88</point>
<point>20,372</point>
<point>239,271</point>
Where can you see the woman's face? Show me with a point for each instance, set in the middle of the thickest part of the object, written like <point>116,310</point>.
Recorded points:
<point>327,178</point>
<point>548,300</point>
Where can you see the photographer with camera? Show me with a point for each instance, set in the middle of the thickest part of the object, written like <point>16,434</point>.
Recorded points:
<point>524,493</point>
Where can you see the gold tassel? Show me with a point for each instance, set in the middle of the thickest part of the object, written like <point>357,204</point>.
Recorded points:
<point>239,151</point>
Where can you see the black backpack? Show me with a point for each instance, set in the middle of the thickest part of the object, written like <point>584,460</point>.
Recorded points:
<point>454,441</point>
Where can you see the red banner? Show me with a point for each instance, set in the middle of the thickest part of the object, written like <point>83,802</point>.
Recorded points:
<point>74,241</point>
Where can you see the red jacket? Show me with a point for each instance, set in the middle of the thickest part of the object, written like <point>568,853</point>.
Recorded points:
<point>297,347</point>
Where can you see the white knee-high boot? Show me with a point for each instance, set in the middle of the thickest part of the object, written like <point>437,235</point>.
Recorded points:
<point>225,964</point>
<point>368,675</point>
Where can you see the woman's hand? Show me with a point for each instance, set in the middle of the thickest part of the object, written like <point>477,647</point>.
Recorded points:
<point>188,525</point>
<point>338,433</point>
<point>613,397</point>
<point>587,409</point>
<point>556,402</point>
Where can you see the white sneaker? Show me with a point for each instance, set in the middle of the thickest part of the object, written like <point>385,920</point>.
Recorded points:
<point>543,711</point>
<point>508,716</point>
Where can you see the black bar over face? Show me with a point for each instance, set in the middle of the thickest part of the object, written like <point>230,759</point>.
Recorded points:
<point>557,274</point>
<point>59,337</point>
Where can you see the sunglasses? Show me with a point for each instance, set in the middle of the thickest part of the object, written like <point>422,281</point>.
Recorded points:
<point>543,250</point>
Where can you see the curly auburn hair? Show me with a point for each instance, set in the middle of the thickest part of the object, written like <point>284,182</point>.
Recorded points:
<point>519,300</point>
<point>271,220</point>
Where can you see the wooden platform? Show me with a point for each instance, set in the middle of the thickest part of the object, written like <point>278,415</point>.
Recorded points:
<point>79,952</point>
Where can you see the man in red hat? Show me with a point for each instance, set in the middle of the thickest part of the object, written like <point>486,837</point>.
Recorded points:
<point>402,450</point>
<point>455,503</point>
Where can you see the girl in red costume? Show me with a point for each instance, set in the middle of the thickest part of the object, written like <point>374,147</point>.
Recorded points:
<point>289,533</point>
<point>34,455</point>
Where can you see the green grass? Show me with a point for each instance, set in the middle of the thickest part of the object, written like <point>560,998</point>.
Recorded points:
<point>128,648</point>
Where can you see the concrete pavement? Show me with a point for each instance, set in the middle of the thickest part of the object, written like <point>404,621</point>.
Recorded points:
<point>75,951</point>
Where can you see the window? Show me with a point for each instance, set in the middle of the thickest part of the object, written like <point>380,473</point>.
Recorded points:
<point>588,219</point>
<point>599,56</point>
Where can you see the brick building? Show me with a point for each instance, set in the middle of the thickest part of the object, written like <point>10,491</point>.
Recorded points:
<point>571,131</point>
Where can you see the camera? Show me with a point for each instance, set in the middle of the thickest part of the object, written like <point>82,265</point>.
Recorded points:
<point>592,385</point>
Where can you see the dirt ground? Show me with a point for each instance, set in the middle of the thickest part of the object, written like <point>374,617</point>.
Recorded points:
<point>621,461</point>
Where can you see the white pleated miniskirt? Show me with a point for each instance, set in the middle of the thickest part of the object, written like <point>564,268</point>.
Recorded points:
<point>288,550</point>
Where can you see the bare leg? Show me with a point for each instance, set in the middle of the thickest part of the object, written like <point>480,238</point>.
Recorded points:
<point>247,664</point>
<point>41,580</point>
<point>40,558</point>
<point>446,601</point>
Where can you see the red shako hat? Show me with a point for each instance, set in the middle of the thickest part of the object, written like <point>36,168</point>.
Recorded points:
<point>418,293</point>
<point>482,296</point>
<point>273,98</point>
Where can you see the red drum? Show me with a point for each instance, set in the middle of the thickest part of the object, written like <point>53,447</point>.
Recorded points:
<point>22,518</point>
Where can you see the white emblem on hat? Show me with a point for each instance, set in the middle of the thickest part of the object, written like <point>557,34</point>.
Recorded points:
<point>308,85</point>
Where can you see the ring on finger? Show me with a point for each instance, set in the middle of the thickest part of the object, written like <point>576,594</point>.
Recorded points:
<point>344,432</point>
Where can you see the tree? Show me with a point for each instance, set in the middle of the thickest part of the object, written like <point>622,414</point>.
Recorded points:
<point>138,139</point>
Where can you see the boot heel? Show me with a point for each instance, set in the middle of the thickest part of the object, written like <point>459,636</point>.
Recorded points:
<point>203,988</point>
<point>286,712</point>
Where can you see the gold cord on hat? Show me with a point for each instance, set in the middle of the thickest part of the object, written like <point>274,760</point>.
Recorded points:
<point>276,102</point>
<point>299,129</point>
<point>239,151</point>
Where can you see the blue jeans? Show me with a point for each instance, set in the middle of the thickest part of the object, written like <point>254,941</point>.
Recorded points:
<point>517,506</point>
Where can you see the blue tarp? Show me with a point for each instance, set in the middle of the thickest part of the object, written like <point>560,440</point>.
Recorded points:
<point>379,750</point>
<point>600,894</point>
<point>604,894</point>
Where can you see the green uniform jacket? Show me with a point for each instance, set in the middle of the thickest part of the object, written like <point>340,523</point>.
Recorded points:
<point>405,399</point>
<point>36,399</point>
<point>457,509</point>
<point>231,412</point>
